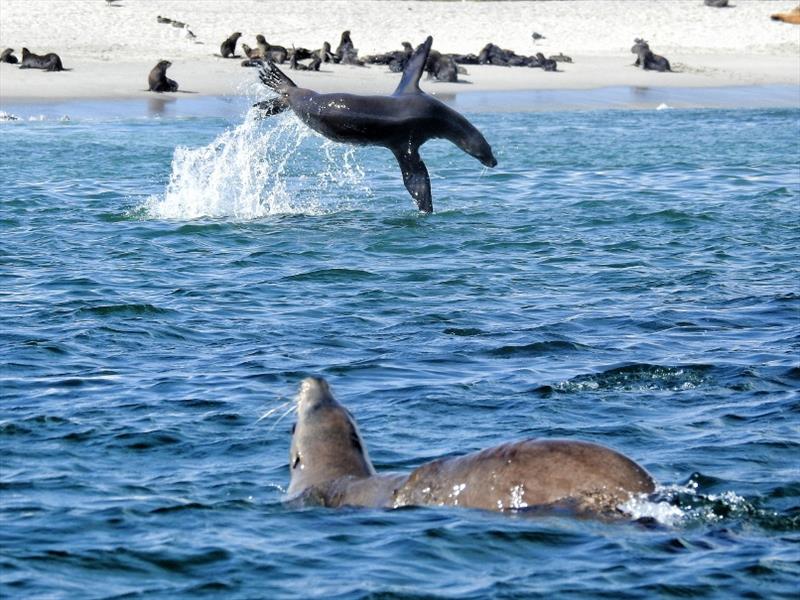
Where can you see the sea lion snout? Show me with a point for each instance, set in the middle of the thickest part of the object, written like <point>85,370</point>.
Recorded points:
<point>314,392</point>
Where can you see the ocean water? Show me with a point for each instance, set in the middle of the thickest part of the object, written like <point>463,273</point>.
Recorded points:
<point>629,277</point>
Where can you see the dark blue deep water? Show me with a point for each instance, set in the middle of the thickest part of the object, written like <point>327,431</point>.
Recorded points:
<point>626,277</point>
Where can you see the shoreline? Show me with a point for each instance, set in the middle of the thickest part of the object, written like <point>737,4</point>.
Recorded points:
<point>128,80</point>
<point>470,101</point>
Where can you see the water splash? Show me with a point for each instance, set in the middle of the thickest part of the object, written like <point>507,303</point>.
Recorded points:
<point>683,505</point>
<point>261,168</point>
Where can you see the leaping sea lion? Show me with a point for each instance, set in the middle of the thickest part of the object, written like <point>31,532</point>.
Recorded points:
<point>158,81</point>
<point>329,466</point>
<point>401,122</point>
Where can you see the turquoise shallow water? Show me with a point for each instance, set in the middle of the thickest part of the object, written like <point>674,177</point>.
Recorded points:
<point>625,277</point>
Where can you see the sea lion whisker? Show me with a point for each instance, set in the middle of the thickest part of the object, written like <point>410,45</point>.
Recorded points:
<point>291,409</point>
<point>273,410</point>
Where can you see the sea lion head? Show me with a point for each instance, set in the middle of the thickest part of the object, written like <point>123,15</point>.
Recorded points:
<point>261,39</point>
<point>163,65</point>
<point>326,444</point>
<point>474,144</point>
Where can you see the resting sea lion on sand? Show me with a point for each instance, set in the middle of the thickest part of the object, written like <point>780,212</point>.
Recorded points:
<point>547,64</point>
<point>297,66</point>
<point>228,47</point>
<point>251,52</point>
<point>793,16</point>
<point>345,45</point>
<point>8,57</point>
<point>277,54</point>
<point>164,20</point>
<point>158,80</point>
<point>561,57</point>
<point>716,3</point>
<point>401,122</point>
<point>646,59</point>
<point>441,67</point>
<point>329,466</point>
<point>325,53</point>
<point>48,62</point>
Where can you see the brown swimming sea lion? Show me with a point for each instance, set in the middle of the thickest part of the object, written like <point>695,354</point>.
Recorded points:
<point>330,466</point>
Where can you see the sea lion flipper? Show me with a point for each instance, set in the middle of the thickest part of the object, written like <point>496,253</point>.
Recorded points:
<point>273,106</point>
<point>275,79</point>
<point>415,176</point>
<point>409,83</point>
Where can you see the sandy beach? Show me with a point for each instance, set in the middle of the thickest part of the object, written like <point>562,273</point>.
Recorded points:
<point>110,49</point>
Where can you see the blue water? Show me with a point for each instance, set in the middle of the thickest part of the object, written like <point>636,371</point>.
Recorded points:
<point>626,277</point>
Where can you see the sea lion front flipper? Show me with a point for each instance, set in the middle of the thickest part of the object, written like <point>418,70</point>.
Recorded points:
<point>415,176</point>
<point>409,83</point>
<point>273,106</point>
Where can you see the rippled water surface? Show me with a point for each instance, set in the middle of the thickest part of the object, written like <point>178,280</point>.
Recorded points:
<point>626,277</point>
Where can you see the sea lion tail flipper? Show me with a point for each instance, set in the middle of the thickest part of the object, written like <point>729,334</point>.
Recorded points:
<point>415,177</point>
<point>409,83</point>
<point>275,79</point>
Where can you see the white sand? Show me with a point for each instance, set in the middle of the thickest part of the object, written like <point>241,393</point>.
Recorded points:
<point>111,50</point>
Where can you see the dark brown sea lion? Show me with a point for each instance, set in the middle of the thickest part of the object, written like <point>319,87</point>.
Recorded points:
<point>330,466</point>
<point>441,67</point>
<point>646,59</point>
<point>345,46</point>
<point>401,122</point>
<point>228,48</point>
<point>8,56</point>
<point>277,54</point>
<point>48,62</point>
<point>158,80</point>
<point>325,53</point>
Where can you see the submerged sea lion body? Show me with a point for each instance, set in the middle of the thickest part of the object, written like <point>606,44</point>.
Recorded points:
<point>330,467</point>
<point>401,122</point>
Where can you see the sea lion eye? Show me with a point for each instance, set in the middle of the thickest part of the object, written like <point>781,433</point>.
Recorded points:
<point>296,461</point>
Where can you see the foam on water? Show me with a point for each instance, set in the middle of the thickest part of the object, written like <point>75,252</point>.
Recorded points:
<point>256,169</point>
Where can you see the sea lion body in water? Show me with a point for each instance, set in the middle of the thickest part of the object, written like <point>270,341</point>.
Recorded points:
<point>330,466</point>
<point>158,81</point>
<point>48,62</point>
<point>401,122</point>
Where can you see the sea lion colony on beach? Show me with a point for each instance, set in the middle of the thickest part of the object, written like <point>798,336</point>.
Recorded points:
<point>440,67</point>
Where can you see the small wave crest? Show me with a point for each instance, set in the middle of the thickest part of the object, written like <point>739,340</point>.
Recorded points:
<point>259,168</point>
